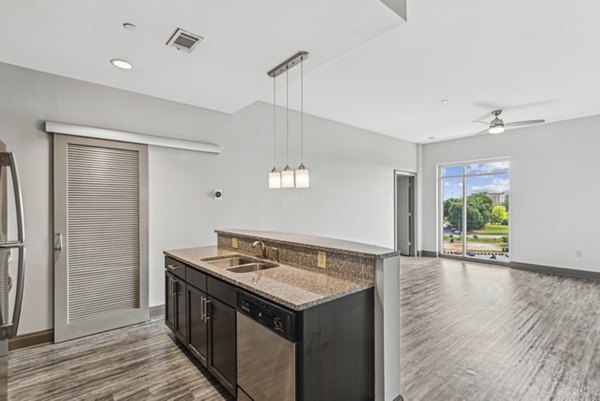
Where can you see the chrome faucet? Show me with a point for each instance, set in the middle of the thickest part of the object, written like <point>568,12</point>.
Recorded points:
<point>263,248</point>
<point>265,252</point>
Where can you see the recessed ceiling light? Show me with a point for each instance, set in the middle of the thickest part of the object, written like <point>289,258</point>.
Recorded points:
<point>122,64</point>
<point>444,101</point>
<point>129,26</point>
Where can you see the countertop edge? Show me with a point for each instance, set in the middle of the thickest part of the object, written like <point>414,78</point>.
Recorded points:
<point>264,294</point>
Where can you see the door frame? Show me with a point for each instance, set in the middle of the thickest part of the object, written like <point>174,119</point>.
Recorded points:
<point>63,330</point>
<point>412,174</point>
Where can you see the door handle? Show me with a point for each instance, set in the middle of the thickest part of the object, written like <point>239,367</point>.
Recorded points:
<point>58,242</point>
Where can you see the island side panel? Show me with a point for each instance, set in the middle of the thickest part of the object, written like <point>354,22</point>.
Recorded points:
<point>337,350</point>
<point>387,329</point>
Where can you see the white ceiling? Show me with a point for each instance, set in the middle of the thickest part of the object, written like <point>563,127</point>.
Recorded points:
<point>226,71</point>
<point>535,58</point>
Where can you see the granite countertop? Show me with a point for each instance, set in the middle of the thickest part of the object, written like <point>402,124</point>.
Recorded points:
<point>326,244</point>
<point>293,287</point>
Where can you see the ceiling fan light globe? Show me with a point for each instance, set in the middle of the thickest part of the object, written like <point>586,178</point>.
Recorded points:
<point>496,129</point>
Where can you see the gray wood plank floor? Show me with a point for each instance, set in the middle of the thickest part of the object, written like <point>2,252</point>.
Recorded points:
<point>140,362</point>
<point>479,332</point>
<point>469,332</point>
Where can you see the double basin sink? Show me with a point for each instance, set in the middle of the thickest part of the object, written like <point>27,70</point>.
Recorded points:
<point>240,263</point>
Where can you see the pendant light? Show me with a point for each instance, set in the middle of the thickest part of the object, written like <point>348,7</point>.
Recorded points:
<point>287,174</point>
<point>288,178</point>
<point>274,175</point>
<point>302,174</point>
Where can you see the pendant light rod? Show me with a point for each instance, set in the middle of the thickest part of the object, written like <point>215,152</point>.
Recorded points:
<point>287,116</point>
<point>274,122</point>
<point>288,64</point>
<point>302,111</point>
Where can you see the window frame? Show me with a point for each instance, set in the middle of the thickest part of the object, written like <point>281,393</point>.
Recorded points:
<point>440,205</point>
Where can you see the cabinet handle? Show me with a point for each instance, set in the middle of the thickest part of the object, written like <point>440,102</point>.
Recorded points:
<point>174,288</point>
<point>208,312</point>
<point>202,308</point>
<point>173,267</point>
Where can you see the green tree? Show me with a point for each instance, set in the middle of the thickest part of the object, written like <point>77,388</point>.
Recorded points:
<point>474,219</point>
<point>498,214</point>
<point>479,211</point>
<point>484,205</point>
<point>453,212</point>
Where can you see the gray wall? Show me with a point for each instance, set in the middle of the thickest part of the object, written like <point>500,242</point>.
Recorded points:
<point>554,190</point>
<point>351,194</point>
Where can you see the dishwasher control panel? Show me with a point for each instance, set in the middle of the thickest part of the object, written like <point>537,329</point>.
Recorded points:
<point>273,317</point>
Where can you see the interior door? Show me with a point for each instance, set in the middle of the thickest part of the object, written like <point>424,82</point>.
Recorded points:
<point>101,235</point>
<point>405,214</point>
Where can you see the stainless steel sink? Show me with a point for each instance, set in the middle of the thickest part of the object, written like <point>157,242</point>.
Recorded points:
<point>231,261</point>
<point>251,267</point>
<point>240,263</point>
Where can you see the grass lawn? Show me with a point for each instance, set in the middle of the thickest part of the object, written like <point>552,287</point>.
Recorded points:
<point>491,229</point>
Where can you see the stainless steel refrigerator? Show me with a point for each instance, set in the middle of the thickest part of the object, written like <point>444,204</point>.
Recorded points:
<point>12,248</point>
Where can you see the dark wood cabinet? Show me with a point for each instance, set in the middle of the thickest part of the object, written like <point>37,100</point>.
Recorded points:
<point>198,324</point>
<point>334,341</point>
<point>200,310</point>
<point>175,306</point>
<point>222,360</point>
<point>181,306</point>
<point>169,302</point>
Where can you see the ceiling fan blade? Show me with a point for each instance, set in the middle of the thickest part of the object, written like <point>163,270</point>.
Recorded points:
<point>486,131</point>
<point>522,123</point>
<point>482,122</point>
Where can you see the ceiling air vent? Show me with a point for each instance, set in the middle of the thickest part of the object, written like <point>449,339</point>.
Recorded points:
<point>184,40</point>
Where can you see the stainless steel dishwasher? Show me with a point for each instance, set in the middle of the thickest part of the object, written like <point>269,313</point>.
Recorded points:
<point>266,350</point>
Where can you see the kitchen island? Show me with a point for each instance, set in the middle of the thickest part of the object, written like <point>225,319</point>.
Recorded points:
<point>310,305</point>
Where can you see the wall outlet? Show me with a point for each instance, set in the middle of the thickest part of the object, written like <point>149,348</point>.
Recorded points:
<point>234,243</point>
<point>322,259</point>
<point>579,254</point>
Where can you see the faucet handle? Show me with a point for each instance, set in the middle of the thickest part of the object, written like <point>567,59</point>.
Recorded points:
<point>275,251</point>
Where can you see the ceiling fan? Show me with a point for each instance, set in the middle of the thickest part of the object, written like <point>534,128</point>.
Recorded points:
<point>498,126</point>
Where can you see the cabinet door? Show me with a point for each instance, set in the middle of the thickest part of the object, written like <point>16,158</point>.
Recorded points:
<point>179,289</point>
<point>222,345</point>
<point>169,303</point>
<point>197,324</point>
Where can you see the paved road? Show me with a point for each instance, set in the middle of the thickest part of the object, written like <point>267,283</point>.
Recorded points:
<point>447,231</point>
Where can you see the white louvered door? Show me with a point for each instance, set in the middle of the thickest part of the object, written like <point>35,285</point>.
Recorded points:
<point>100,221</point>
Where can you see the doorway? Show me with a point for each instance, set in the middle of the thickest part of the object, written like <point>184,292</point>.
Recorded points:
<point>405,213</point>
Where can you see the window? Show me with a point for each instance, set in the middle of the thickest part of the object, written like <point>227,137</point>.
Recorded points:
<point>474,210</point>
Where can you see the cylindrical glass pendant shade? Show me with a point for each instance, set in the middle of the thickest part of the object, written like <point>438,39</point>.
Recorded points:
<point>302,177</point>
<point>287,178</point>
<point>274,179</point>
